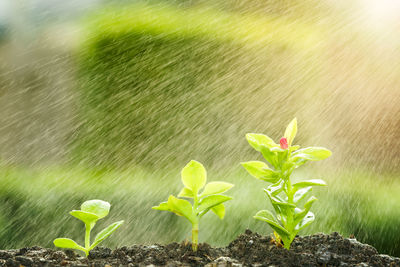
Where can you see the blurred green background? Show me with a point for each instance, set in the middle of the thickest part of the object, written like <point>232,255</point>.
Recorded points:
<point>111,100</point>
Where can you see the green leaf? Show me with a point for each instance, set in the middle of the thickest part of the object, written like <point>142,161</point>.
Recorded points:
<point>300,214</point>
<point>260,170</point>
<point>269,155</point>
<point>277,149</point>
<point>256,140</point>
<point>276,200</point>
<point>186,192</point>
<point>291,131</point>
<point>301,194</point>
<point>211,201</point>
<point>181,207</point>
<point>313,182</point>
<point>306,221</point>
<point>276,188</point>
<point>105,233</point>
<point>84,216</point>
<point>96,206</point>
<point>214,188</point>
<point>219,210</point>
<point>267,216</point>
<point>67,243</point>
<point>162,206</point>
<point>194,176</point>
<point>293,148</point>
<point>312,153</point>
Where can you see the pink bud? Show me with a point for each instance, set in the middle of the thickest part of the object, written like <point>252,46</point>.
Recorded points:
<point>284,143</point>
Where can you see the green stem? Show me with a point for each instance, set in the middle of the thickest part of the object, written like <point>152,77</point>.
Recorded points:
<point>195,236</point>
<point>195,225</point>
<point>87,238</point>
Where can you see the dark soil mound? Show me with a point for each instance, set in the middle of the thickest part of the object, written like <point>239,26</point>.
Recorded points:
<point>249,249</point>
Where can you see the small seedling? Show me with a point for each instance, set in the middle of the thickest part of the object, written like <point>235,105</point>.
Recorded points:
<point>284,195</point>
<point>91,211</point>
<point>194,178</point>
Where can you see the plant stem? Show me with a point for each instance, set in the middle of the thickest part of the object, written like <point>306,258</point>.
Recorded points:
<point>87,238</point>
<point>195,236</point>
<point>195,225</point>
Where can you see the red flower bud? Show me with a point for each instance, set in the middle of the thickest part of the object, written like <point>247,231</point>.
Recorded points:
<point>284,143</point>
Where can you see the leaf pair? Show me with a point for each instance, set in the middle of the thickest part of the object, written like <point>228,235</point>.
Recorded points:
<point>194,178</point>
<point>91,211</point>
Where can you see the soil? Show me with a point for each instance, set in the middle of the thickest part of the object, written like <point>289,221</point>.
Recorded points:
<point>248,249</point>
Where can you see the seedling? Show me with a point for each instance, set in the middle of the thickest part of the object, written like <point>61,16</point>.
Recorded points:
<point>194,178</point>
<point>91,211</point>
<point>284,195</point>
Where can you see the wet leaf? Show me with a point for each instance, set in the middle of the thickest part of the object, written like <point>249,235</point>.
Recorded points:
<point>67,243</point>
<point>105,233</point>
<point>194,176</point>
<point>260,170</point>
<point>306,183</point>
<point>86,217</point>
<point>211,201</point>
<point>99,207</point>
<point>186,192</point>
<point>256,140</point>
<point>276,188</point>
<point>214,188</point>
<point>311,153</point>
<point>301,194</point>
<point>219,210</point>
<point>306,221</point>
<point>267,216</point>
<point>291,131</point>
<point>181,207</point>
<point>162,206</point>
<point>301,213</point>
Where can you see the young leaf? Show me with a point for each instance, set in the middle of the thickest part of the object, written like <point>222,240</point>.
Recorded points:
<point>181,207</point>
<point>257,140</point>
<point>276,188</point>
<point>301,194</point>
<point>194,176</point>
<point>186,192</point>
<point>293,148</point>
<point>269,155</point>
<point>306,221</point>
<point>85,217</point>
<point>299,214</point>
<point>313,182</point>
<point>276,200</point>
<point>99,207</point>
<point>211,201</point>
<point>291,131</point>
<point>312,153</point>
<point>162,206</point>
<point>219,210</point>
<point>260,170</point>
<point>67,243</point>
<point>105,233</point>
<point>214,188</point>
<point>267,216</point>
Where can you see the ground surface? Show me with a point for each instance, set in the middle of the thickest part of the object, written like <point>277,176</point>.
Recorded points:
<point>248,249</point>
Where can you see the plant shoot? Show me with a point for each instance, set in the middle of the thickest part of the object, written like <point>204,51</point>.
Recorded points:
<point>286,197</point>
<point>194,178</point>
<point>91,211</point>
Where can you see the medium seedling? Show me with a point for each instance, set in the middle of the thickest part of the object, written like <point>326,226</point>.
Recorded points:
<point>91,211</point>
<point>285,196</point>
<point>194,178</point>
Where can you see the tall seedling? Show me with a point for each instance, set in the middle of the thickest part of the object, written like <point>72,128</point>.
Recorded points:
<point>292,212</point>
